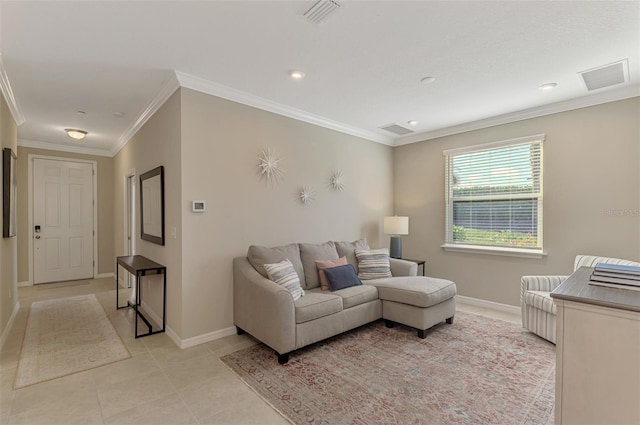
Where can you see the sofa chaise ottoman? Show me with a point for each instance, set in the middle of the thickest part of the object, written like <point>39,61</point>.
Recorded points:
<point>268,311</point>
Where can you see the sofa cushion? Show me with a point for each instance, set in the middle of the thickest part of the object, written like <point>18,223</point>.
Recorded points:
<point>373,264</point>
<point>348,249</point>
<point>325,264</point>
<point>419,291</point>
<point>541,300</point>
<point>341,277</point>
<point>311,252</point>
<point>258,256</point>
<point>316,304</point>
<point>285,275</point>
<point>357,295</point>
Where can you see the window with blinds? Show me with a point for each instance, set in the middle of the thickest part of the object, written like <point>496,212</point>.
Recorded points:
<point>494,195</point>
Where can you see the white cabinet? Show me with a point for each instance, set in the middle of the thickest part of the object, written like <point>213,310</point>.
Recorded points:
<point>597,353</point>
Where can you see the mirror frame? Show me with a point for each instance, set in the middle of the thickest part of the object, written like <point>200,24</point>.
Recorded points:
<point>9,193</point>
<point>158,171</point>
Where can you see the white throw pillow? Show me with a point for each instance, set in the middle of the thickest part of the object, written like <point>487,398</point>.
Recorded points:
<point>284,274</point>
<point>373,264</point>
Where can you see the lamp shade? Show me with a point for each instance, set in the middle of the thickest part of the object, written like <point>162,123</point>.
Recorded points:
<point>396,225</point>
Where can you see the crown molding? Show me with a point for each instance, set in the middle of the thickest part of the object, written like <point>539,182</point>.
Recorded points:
<point>167,89</point>
<point>5,87</point>
<point>622,93</point>
<point>225,92</point>
<point>62,148</point>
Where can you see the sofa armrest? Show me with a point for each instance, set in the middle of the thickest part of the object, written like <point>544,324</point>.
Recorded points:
<point>536,283</point>
<point>403,267</point>
<point>263,308</point>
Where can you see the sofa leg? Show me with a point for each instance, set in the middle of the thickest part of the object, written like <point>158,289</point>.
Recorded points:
<point>389,323</point>
<point>449,320</point>
<point>240,331</point>
<point>422,333</point>
<point>283,358</point>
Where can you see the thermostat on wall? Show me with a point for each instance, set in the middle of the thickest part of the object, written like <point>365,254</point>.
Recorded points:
<point>198,206</point>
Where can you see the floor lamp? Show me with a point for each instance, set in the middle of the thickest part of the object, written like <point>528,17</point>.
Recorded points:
<point>396,226</point>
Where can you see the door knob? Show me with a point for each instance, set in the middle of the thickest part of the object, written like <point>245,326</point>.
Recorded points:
<point>37,236</point>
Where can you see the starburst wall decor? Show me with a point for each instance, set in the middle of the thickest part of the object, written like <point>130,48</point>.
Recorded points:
<point>307,195</point>
<point>269,166</point>
<point>336,181</point>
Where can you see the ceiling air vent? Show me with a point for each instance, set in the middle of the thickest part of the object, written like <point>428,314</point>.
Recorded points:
<point>320,10</point>
<point>607,75</point>
<point>396,129</point>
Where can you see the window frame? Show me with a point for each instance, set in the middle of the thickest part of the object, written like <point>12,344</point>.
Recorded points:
<point>527,252</point>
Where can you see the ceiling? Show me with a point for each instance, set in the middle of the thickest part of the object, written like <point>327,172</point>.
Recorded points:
<point>118,61</point>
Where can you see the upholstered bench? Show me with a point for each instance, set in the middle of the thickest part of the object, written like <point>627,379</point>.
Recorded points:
<point>416,301</point>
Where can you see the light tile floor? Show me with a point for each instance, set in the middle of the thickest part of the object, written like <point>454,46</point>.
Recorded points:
<point>159,384</point>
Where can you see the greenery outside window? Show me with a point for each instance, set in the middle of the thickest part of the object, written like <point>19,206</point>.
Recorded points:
<point>494,197</point>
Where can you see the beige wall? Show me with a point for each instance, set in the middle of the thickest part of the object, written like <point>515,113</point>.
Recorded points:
<point>8,246</point>
<point>156,143</point>
<point>221,141</point>
<point>591,197</point>
<point>104,171</point>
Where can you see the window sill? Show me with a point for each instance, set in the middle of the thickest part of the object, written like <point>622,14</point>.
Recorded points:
<point>492,250</point>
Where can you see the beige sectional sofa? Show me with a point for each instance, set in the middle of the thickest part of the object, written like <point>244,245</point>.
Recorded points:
<point>268,312</point>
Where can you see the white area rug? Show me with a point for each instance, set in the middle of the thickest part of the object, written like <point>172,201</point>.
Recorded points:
<point>65,336</point>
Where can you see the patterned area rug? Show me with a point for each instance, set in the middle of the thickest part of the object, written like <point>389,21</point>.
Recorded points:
<point>65,336</point>
<point>476,371</point>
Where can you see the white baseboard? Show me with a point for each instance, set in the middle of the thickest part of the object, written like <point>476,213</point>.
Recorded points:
<point>211,336</point>
<point>189,342</point>
<point>25,283</point>
<point>7,329</point>
<point>507,308</point>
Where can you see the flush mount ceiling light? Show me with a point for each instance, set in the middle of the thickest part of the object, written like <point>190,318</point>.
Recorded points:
<point>548,86</point>
<point>427,80</point>
<point>412,122</point>
<point>296,74</point>
<point>76,134</point>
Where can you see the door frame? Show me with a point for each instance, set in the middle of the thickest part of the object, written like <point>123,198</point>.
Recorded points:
<point>94,167</point>
<point>129,199</point>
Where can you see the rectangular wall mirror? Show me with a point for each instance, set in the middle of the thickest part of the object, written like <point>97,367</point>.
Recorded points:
<point>9,193</point>
<point>152,205</point>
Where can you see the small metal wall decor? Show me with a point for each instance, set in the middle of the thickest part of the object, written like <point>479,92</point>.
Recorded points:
<point>269,167</point>
<point>336,180</point>
<point>307,195</point>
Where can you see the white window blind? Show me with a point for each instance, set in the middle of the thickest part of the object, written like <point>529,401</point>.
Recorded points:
<point>494,195</point>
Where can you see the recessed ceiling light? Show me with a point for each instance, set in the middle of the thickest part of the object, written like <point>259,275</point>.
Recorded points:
<point>548,86</point>
<point>80,112</point>
<point>118,114</point>
<point>427,80</point>
<point>412,122</point>
<point>76,134</point>
<point>296,74</point>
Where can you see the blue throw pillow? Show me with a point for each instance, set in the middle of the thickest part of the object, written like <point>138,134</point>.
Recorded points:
<point>341,277</point>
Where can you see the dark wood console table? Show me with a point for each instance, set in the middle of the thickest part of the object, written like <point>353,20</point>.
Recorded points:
<point>140,266</point>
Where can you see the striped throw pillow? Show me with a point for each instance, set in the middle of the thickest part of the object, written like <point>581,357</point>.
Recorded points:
<point>373,264</point>
<point>284,274</point>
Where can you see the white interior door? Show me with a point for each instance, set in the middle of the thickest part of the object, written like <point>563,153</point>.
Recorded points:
<point>63,220</point>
